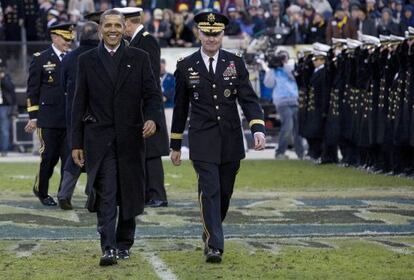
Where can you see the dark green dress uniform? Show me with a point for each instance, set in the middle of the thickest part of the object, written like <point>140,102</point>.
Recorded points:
<point>46,103</point>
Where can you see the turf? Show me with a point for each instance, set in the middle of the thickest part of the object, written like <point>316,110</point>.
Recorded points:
<point>254,175</point>
<point>274,258</point>
<point>78,260</point>
<point>341,258</point>
<point>349,259</point>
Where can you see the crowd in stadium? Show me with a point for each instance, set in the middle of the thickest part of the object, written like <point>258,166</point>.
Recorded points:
<point>296,21</point>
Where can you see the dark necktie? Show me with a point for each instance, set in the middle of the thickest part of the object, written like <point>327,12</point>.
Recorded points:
<point>61,56</point>
<point>112,53</point>
<point>210,67</point>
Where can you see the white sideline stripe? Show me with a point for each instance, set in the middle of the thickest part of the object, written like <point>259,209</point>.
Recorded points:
<point>160,268</point>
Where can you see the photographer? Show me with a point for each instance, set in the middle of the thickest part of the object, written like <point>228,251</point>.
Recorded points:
<point>280,78</point>
<point>7,108</point>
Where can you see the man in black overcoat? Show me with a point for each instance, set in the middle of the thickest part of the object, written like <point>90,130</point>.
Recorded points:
<point>117,104</point>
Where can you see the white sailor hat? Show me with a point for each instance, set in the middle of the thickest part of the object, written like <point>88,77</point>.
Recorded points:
<point>384,39</point>
<point>352,44</point>
<point>338,41</point>
<point>369,40</point>
<point>321,47</point>
<point>409,34</point>
<point>130,11</point>
<point>319,54</point>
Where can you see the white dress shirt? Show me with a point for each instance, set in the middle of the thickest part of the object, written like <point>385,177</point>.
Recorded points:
<point>207,62</point>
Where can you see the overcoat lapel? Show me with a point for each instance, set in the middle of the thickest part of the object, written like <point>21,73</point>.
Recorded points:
<point>101,68</point>
<point>125,68</point>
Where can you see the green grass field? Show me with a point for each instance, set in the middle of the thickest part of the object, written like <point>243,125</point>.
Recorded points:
<point>364,257</point>
<point>254,175</point>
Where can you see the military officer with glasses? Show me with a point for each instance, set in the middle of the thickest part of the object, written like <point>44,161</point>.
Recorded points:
<point>213,81</point>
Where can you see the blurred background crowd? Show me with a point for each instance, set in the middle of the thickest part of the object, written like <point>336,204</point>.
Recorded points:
<point>291,21</point>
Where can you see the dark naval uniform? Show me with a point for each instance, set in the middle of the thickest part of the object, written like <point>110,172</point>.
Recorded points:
<point>215,136</point>
<point>46,103</point>
<point>157,145</point>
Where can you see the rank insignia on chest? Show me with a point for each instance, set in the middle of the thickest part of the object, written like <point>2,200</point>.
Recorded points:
<point>194,78</point>
<point>50,79</point>
<point>195,95</point>
<point>49,66</point>
<point>227,92</point>
<point>230,71</point>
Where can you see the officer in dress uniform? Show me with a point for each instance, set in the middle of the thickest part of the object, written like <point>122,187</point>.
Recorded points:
<point>213,80</point>
<point>316,106</point>
<point>46,107</point>
<point>156,146</point>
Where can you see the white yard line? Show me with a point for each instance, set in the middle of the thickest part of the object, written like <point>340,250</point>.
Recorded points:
<point>160,267</point>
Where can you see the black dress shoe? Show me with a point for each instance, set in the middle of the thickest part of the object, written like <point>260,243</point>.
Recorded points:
<point>108,258</point>
<point>123,254</point>
<point>48,201</point>
<point>156,203</point>
<point>65,204</point>
<point>213,255</point>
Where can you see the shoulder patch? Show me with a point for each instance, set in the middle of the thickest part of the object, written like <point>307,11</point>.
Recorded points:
<point>36,54</point>
<point>146,33</point>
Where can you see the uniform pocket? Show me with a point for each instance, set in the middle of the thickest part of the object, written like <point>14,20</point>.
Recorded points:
<point>47,100</point>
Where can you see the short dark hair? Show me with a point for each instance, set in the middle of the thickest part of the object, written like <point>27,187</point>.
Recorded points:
<point>89,31</point>
<point>111,12</point>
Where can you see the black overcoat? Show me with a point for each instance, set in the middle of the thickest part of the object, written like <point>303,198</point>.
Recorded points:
<point>112,113</point>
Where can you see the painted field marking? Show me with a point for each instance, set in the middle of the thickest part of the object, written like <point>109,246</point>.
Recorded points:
<point>160,267</point>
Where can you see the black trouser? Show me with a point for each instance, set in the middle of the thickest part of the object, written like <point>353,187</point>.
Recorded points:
<point>53,146</point>
<point>154,180</point>
<point>315,147</point>
<point>215,187</point>
<point>113,236</point>
<point>330,154</point>
<point>70,177</point>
